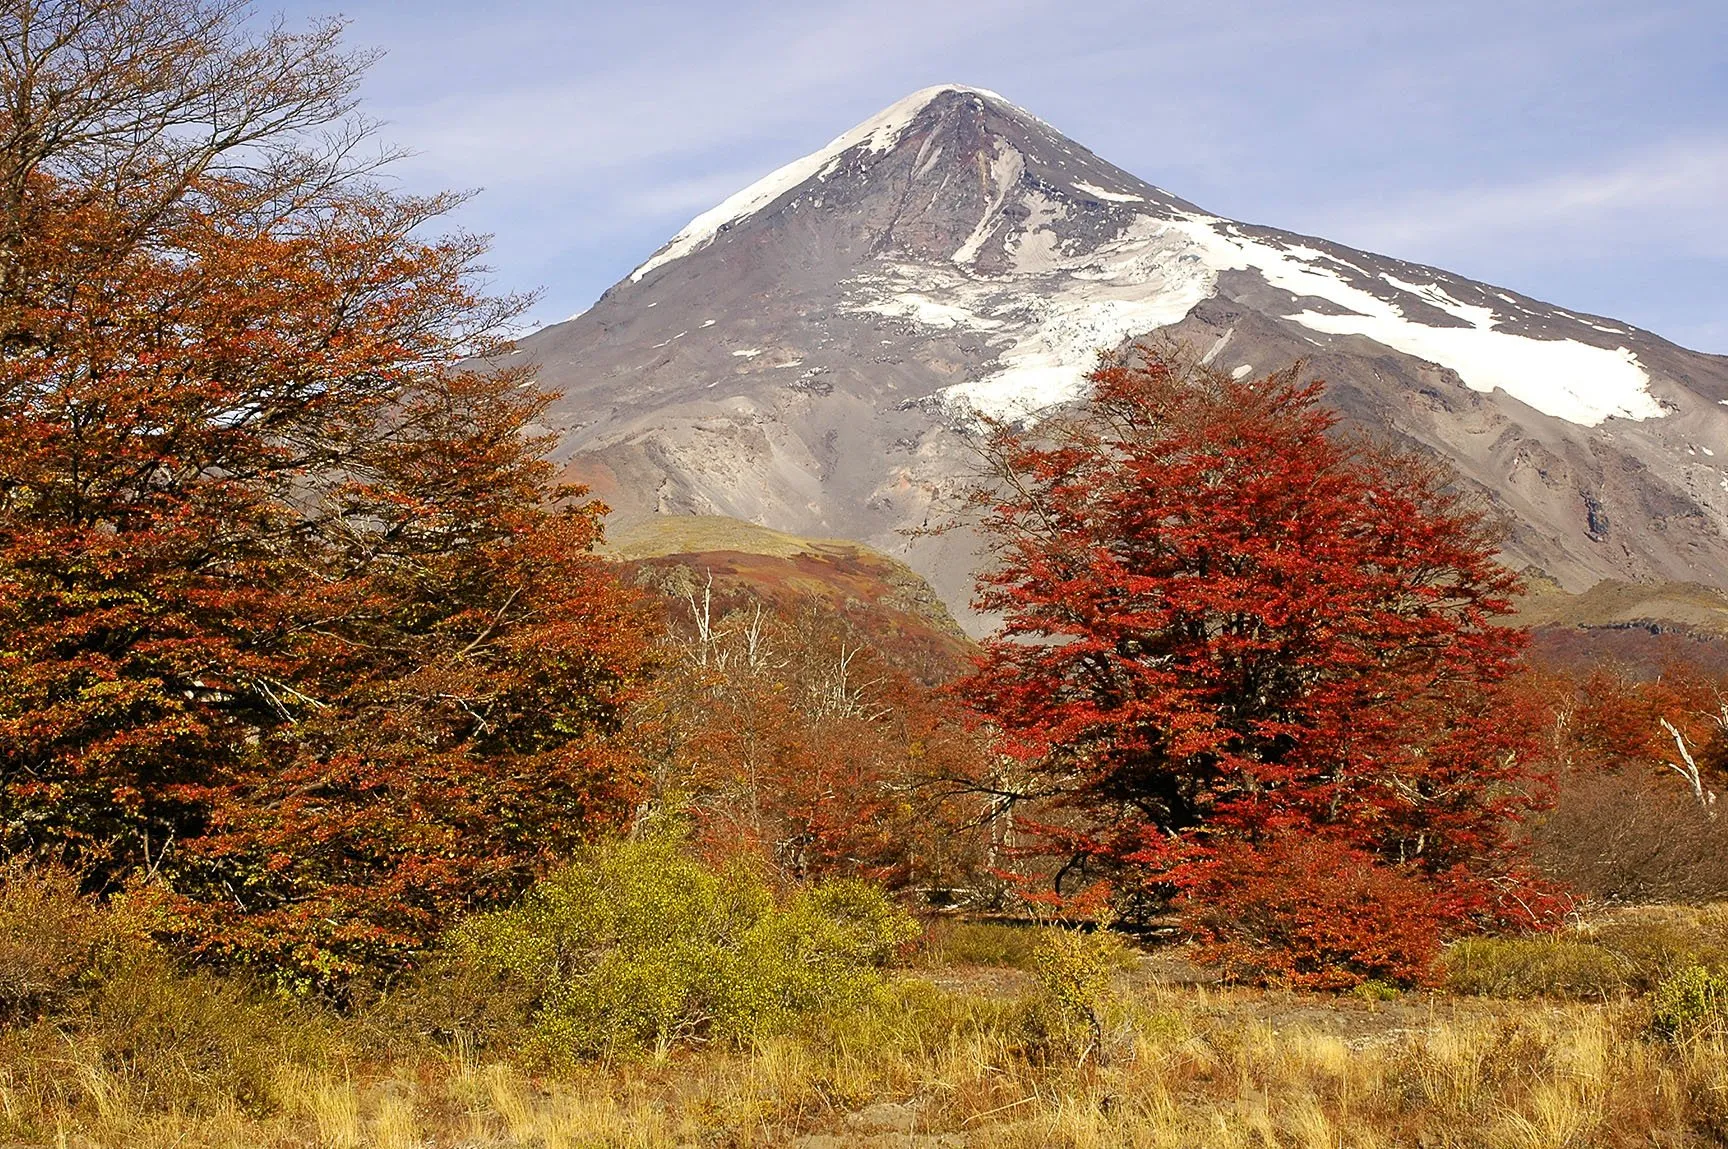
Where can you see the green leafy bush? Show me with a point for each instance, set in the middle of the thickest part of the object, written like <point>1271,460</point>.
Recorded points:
<point>1629,952</point>
<point>995,944</point>
<point>636,946</point>
<point>1372,990</point>
<point>1658,941</point>
<point>1689,1002</point>
<point>1004,945</point>
<point>1067,1018</point>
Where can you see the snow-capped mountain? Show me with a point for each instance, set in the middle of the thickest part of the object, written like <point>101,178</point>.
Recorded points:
<point>809,353</point>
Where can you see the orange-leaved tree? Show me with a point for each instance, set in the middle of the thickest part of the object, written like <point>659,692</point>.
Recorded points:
<point>293,625</point>
<point>1226,629</point>
<point>783,732</point>
<point>476,664</point>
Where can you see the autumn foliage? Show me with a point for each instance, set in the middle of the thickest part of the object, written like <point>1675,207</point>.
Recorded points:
<point>1639,753</point>
<point>303,650</point>
<point>295,629</point>
<point>785,734</point>
<point>1312,913</point>
<point>1227,627</point>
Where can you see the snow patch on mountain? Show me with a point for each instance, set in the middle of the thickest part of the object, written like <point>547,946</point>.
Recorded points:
<point>921,309</point>
<point>1568,380</point>
<point>1046,316</point>
<point>1113,197</point>
<point>1050,316</point>
<point>1036,247</point>
<point>1052,311</point>
<point>877,134</point>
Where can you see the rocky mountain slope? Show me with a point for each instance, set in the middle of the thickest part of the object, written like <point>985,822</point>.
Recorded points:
<point>810,354</point>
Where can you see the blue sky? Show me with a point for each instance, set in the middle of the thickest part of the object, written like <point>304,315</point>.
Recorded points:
<point>1576,151</point>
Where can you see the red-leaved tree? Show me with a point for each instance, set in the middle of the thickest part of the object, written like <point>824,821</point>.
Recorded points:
<point>294,628</point>
<point>1226,626</point>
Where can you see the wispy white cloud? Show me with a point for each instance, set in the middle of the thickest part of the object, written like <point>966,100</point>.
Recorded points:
<point>1668,198</point>
<point>597,130</point>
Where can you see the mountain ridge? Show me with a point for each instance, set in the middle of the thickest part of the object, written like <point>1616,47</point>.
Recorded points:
<point>808,354</point>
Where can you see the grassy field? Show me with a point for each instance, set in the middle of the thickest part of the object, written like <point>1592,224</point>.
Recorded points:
<point>1612,603</point>
<point>660,535</point>
<point>962,1048</point>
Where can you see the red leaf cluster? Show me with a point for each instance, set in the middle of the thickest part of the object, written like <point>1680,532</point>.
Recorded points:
<point>1226,625</point>
<point>1311,913</point>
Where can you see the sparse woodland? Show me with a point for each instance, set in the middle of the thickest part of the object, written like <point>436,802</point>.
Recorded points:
<point>349,797</point>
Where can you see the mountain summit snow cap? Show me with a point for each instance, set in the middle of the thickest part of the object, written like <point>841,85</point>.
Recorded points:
<point>953,210</point>
<point>879,133</point>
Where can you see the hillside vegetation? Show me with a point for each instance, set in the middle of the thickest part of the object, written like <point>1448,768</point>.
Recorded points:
<point>729,565</point>
<point>1690,607</point>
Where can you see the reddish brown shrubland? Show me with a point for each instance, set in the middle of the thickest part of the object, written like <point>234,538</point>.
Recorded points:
<point>785,734</point>
<point>1628,823</point>
<point>1313,914</point>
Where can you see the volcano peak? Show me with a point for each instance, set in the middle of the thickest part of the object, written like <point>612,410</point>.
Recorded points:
<point>809,354</point>
<point>879,133</point>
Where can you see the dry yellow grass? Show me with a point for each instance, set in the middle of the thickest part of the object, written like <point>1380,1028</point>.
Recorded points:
<point>660,535</point>
<point>957,1052</point>
<point>1190,1066</point>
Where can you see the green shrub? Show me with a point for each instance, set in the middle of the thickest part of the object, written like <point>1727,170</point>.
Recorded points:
<point>1689,1002</point>
<point>1372,990</point>
<point>635,946</point>
<point>1628,952</point>
<point>994,944</point>
<point>1562,966</point>
<point>1658,941</point>
<point>1073,970</point>
<point>1005,945</point>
